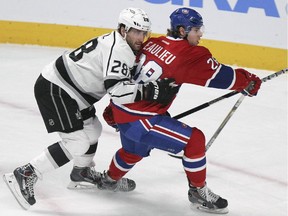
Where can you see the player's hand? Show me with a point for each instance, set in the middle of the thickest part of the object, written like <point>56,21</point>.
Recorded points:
<point>163,91</point>
<point>109,118</point>
<point>255,81</point>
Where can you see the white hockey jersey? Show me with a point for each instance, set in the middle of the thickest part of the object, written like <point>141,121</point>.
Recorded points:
<point>83,72</point>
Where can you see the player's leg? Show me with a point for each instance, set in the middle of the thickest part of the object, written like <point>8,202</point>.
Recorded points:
<point>194,163</point>
<point>137,142</point>
<point>60,113</point>
<point>83,174</point>
<point>92,128</point>
<point>123,161</point>
<point>113,179</point>
<point>171,135</point>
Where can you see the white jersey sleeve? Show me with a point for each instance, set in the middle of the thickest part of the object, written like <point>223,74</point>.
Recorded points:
<point>125,92</point>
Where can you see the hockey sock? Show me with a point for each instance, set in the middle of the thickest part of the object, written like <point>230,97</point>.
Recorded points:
<point>194,159</point>
<point>122,163</point>
<point>86,160</point>
<point>52,158</point>
<point>59,154</point>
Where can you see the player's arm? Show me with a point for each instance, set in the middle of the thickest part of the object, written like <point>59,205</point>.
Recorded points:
<point>121,90</point>
<point>124,91</point>
<point>207,71</point>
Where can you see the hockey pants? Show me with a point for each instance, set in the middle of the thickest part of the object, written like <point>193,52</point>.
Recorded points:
<point>165,133</point>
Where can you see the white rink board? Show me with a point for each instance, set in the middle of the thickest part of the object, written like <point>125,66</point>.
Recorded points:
<point>262,23</point>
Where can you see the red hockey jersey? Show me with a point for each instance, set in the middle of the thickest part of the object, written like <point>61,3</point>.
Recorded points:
<point>166,57</point>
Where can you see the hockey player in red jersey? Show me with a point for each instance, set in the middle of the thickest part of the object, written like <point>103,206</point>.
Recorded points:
<point>144,125</point>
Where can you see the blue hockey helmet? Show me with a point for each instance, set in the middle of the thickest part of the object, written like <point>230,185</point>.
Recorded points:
<point>185,17</point>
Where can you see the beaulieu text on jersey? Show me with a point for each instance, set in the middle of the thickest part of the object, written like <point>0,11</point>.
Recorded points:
<point>158,51</point>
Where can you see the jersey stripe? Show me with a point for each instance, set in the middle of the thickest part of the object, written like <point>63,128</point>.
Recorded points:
<point>223,78</point>
<point>194,165</point>
<point>111,51</point>
<point>64,74</point>
<point>56,107</point>
<point>164,131</point>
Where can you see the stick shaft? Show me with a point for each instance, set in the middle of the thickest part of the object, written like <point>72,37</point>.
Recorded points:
<point>222,125</point>
<point>237,104</point>
<point>230,94</point>
<point>204,105</point>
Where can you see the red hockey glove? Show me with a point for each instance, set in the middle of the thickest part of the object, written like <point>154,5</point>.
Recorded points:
<point>256,83</point>
<point>109,118</point>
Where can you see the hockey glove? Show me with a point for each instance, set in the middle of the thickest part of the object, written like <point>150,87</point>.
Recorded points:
<point>109,118</point>
<point>255,83</point>
<point>162,91</point>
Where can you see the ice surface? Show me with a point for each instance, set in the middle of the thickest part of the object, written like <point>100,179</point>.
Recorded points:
<point>247,163</point>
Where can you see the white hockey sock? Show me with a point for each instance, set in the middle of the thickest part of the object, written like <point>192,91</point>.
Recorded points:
<point>42,164</point>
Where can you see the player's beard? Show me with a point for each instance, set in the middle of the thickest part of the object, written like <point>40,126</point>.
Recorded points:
<point>135,46</point>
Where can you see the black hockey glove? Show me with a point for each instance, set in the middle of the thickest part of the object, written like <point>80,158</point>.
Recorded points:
<point>162,91</point>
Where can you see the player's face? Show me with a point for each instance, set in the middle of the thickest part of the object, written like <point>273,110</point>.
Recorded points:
<point>135,38</point>
<point>194,35</point>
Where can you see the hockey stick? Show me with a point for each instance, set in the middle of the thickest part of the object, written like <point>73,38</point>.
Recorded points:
<point>204,105</point>
<point>234,108</point>
<point>237,104</point>
<point>230,94</point>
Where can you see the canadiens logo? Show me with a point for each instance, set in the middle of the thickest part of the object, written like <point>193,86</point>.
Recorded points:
<point>185,11</point>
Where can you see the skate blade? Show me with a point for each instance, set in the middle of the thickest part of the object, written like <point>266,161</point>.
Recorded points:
<point>207,210</point>
<point>81,186</point>
<point>13,186</point>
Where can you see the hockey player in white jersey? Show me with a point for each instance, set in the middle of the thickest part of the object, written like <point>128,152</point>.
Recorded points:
<point>66,92</point>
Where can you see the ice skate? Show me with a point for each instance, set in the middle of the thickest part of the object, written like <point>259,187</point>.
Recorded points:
<point>21,183</point>
<point>84,178</point>
<point>205,200</point>
<point>123,184</point>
